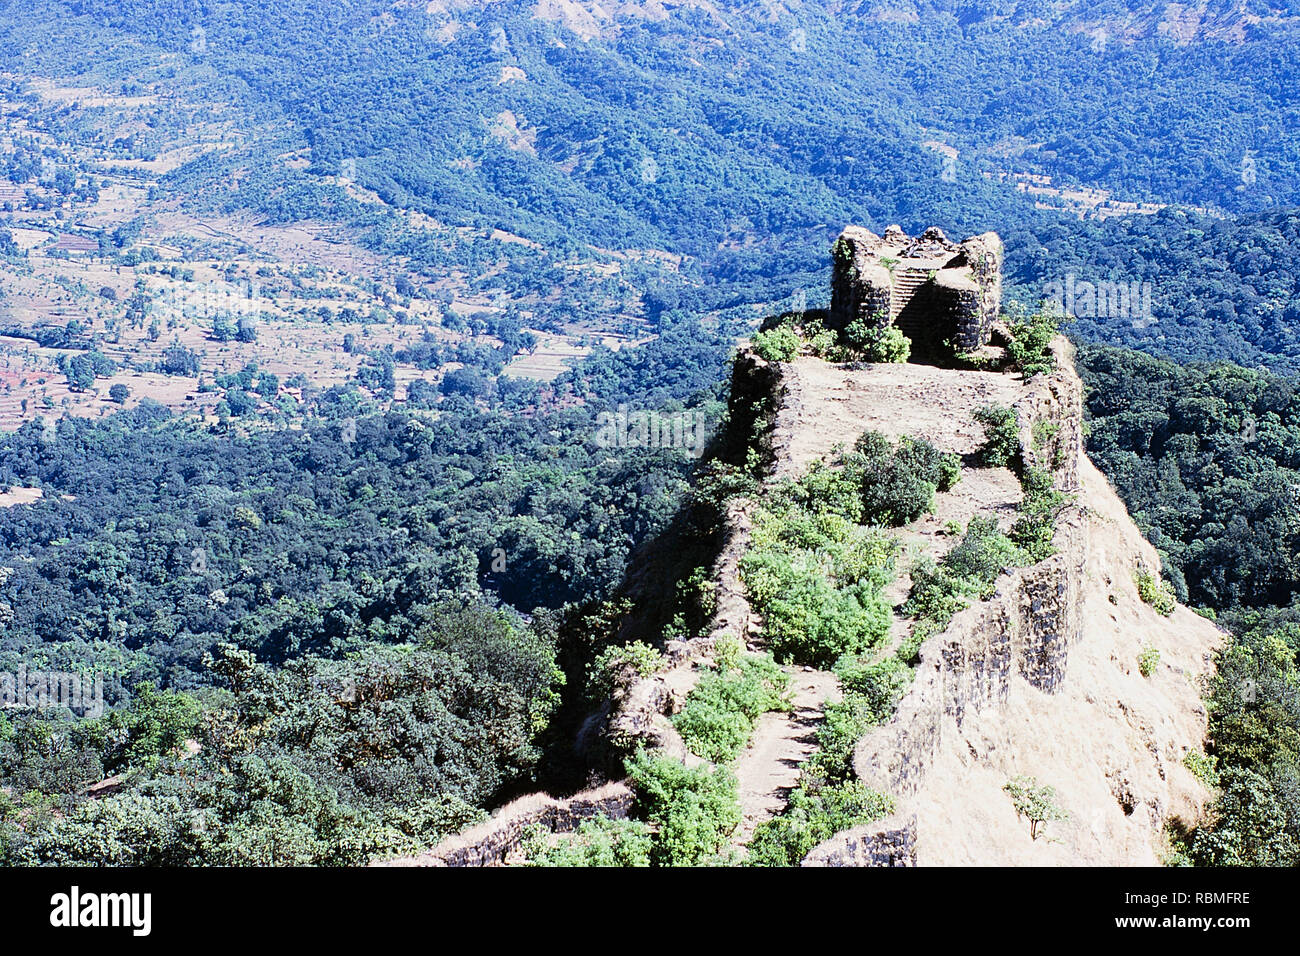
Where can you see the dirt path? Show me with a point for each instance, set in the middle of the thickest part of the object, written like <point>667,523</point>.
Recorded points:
<point>769,768</point>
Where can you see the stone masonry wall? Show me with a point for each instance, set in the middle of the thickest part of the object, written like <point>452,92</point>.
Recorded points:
<point>934,291</point>
<point>860,286</point>
<point>639,712</point>
<point>872,845</point>
<point>491,842</point>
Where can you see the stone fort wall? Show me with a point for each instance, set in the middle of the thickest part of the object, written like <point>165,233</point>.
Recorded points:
<point>935,291</point>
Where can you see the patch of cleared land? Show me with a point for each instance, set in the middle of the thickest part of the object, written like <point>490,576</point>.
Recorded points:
<point>299,279</point>
<point>20,496</point>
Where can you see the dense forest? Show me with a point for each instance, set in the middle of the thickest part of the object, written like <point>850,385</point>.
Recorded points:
<point>1207,458</point>
<point>1217,288</point>
<point>387,583</point>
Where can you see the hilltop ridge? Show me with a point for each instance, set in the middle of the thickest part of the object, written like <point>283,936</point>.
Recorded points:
<point>1044,678</point>
<point>925,630</point>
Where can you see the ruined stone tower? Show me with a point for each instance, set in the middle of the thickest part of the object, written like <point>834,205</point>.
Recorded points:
<point>933,290</point>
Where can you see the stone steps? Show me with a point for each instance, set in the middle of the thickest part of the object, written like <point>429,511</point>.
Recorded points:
<point>906,282</point>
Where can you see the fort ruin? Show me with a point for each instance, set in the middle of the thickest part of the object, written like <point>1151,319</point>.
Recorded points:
<point>938,293</point>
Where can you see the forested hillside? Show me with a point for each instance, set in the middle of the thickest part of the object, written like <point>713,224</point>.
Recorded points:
<point>1207,458</point>
<point>359,621</point>
<point>1218,288</point>
<point>739,135</point>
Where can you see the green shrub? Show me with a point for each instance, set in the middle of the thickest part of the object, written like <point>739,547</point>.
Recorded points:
<point>876,343</point>
<point>815,575</point>
<point>1001,448</point>
<point>1155,592</point>
<point>720,712</point>
<point>1046,433</point>
<point>871,694</point>
<point>727,652</point>
<point>597,842</point>
<point>940,590</point>
<point>844,722</point>
<point>897,483</point>
<point>822,341</point>
<point>1031,338</point>
<point>941,469</point>
<point>717,481</point>
<point>1204,767</point>
<point>983,553</point>
<point>880,684</point>
<point>892,497</point>
<point>693,811</point>
<point>847,553</point>
<point>909,648</point>
<point>827,489</point>
<point>1040,505</point>
<point>936,595</point>
<point>890,346</point>
<point>641,658</point>
<point>814,815</point>
<point>1148,660</point>
<point>696,597</point>
<point>780,344</point>
<point>813,621</point>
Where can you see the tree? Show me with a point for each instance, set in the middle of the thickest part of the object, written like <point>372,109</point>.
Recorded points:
<point>223,329</point>
<point>1251,825</point>
<point>420,392</point>
<point>81,373</point>
<point>694,810</point>
<point>179,360</point>
<point>240,402</point>
<point>378,372</point>
<point>119,393</point>
<point>1035,803</point>
<point>1031,338</point>
<point>464,381</point>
